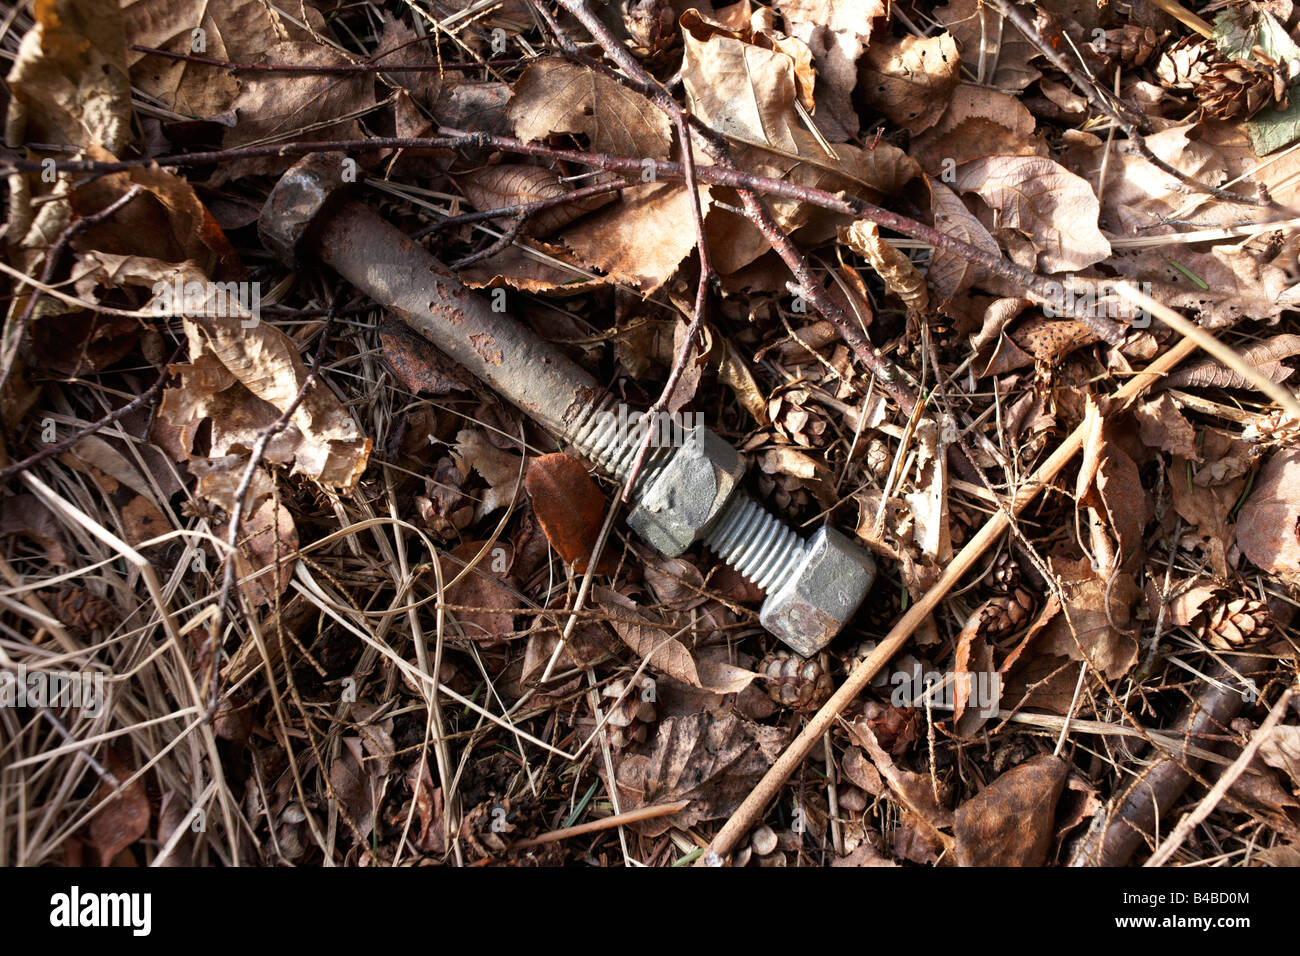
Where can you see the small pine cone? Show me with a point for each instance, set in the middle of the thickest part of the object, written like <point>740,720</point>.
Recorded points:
<point>1238,89</point>
<point>879,458</point>
<point>1005,575</point>
<point>1241,622</point>
<point>1002,615</point>
<point>858,653</point>
<point>795,682</point>
<point>81,610</point>
<point>629,718</point>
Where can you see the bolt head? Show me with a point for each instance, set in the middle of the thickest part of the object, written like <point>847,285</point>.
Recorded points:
<point>822,594</point>
<point>681,503</point>
<point>307,190</point>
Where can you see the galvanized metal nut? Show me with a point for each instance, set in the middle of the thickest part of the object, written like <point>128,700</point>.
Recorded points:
<point>683,499</point>
<point>820,595</point>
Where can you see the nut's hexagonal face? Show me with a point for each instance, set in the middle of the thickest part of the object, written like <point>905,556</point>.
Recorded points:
<point>822,594</point>
<point>688,495</point>
<point>300,196</point>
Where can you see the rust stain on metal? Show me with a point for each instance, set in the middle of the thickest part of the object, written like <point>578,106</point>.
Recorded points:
<point>443,307</point>
<point>486,346</point>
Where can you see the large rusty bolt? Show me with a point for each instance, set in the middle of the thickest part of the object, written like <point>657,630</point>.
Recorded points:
<point>686,492</point>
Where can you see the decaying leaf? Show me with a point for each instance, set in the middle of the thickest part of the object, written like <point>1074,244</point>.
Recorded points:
<point>654,641</point>
<point>1036,198</point>
<point>1010,822</point>
<point>1268,528</point>
<point>512,184</point>
<point>900,275</point>
<point>122,817</point>
<point>714,761</point>
<point>910,79</point>
<point>557,96</point>
<point>570,507</point>
<point>1266,357</point>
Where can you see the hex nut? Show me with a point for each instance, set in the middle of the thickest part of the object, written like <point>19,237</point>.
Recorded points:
<point>822,594</point>
<point>686,497</point>
<point>310,187</point>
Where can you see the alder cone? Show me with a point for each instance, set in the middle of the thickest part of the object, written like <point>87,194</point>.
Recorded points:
<point>795,682</point>
<point>1239,623</point>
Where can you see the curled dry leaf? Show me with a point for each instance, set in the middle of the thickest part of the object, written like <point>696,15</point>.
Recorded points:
<point>557,96</point>
<point>651,638</point>
<point>1266,357</point>
<point>1010,822</point>
<point>712,760</point>
<point>1268,529</point>
<point>490,618</point>
<point>1032,196</point>
<point>499,468</point>
<point>242,375</point>
<point>913,790</point>
<point>837,32</point>
<point>513,184</point>
<point>910,79</point>
<point>69,81</point>
<point>268,539</point>
<point>1162,425</point>
<point>570,507</point>
<point>900,275</point>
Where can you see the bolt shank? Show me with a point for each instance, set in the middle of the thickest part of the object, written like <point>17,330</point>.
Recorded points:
<point>381,261</point>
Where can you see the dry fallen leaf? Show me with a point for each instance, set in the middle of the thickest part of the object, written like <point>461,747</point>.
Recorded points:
<point>1268,527</point>
<point>714,761</point>
<point>1032,196</point>
<point>1010,822</point>
<point>892,265</point>
<point>911,79</point>
<point>120,818</point>
<point>570,506</point>
<point>557,96</point>
<point>654,641</point>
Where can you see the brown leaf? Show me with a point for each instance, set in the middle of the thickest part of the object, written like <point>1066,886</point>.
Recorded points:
<point>712,760</point>
<point>1281,750</point>
<point>911,79</point>
<point>1162,425</point>
<point>69,82</point>
<point>913,790</point>
<point>639,240</point>
<point>1268,528</point>
<point>1111,650</point>
<point>951,272</point>
<point>513,184</point>
<point>491,619</point>
<point>1009,822</point>
<point>972,23</point>
<point>652,640</point>
<point>1050,340</point>
<point>892,265</point>
<point>233,30</point>
<point>978,122</point>
<point>570,506</point>
<point>837,32</point>
<point>1266,357</point>
<point>122,818</point>
<point>272,106</point>
<point>244,374</point>
<point>557,96</point>
<point>499,468</point>
<point>268,538</point>
<point>1034,197</point>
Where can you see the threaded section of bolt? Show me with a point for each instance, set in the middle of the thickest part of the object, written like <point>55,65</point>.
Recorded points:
<point>612,440</point>
<point>757,544</point>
